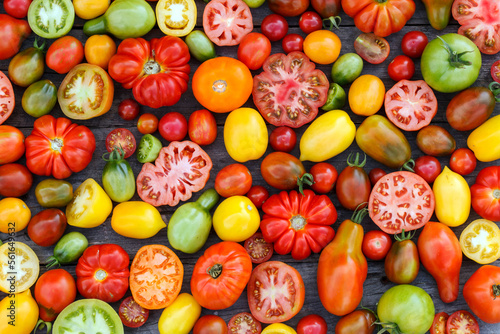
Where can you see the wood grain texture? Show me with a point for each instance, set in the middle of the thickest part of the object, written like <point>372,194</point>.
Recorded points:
<point>375,284</point>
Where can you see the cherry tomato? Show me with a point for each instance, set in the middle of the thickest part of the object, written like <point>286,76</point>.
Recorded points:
<point>64,54</point>
<point>462,322</point>
<point>401,67</point>
<point>121,138</point>
<point>283,139</point>
<point>439,323</point>
<point>254,50</point>
<point>128,109</point>
<point>147,123</point>
<point>210,324</point>
<point>274,27</point>
<point>414,43</point>
<point>324,176</point>
<point>463,161</point>
<point>428,167</point>
<point>258,248</point>
<point>173,126</point>
<point>17,8</point>
<point>292,42</point>
<point>132,314</point>
<point>495,71</point>
<point>375,174</point>
<point>312,324</point>
<point>310,21</point>
<point>376,244</point>
<point>233,180</point>
<point>258,195</point>
<point>244,323</point>
<point>202,127</point>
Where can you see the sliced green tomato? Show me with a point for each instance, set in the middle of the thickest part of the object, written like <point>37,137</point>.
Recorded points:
<point>51,18</point>
<point>89,316</point>
<point>149,148</point>
<point>176,17</point>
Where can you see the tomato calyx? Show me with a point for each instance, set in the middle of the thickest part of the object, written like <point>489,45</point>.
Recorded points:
<point>409,166</point>
<point>495,89</point>
<point>151,67</point>
<point>40,325</point>
<point>332,22</point>
<point>215,271</point>
<point>456,58</point>
<point>56,144</point>
<point>359,214</point>
<point>404,236</point>
<point>390,327</point>
<point>117,154</point>
<point>306,179</point>
<point>355,162</point>
<point>298,222</point>
<point>496,290</point>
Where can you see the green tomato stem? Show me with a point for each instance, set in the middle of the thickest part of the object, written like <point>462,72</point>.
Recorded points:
<point>332,22</point>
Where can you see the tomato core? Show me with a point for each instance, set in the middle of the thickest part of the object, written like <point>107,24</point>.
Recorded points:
<point>496,193</point>
<point>56,144</point>
<point>496,290</point>
<point>215,271</point>
<point>298,222</point>
<point>151,67</point>
<point>219,86</point>
<point>100,275</point>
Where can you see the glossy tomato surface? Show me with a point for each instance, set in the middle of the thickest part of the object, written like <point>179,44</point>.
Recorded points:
<point>376,244</point>
<point>274,26</point>
<point>173,126</point>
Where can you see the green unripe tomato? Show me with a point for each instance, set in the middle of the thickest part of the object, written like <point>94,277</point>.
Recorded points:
<point>39,98</point>
<point>347,68</point>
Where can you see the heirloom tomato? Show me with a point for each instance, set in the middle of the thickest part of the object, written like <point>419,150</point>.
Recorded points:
<point>326,9</point>
<point>484,141</point>
<point>310,21</point>
<point>336,97</point>
<point>463,161</point>
<point>244,323</point>
<point>90,205</point>
<point>359,322</point>
<point>128,109</point>
<point>202,127</point>
<point>485,193</point>
<point>14,215</point>
<point>480,241</point>
<point>366,95</point>
<point>149,148</point>
<point>52,18</point>
<point>90,9</point>
<point>279,328</point>
<point>436,141</point>
<point>414,43</point>
<point>481,292</point>
<point>23,303</point>
<point>283,139</point>
<point>136,219</point>
<point>284,171</point>
<point>462,321</point>
<point>68,249</point>
<point>14,32</point>
<point>312,324</point>
<point>99,49</point>
<point>401,68</point>
<point>324,175</point>
<point>438,12</point>
<point>54,290</point>
<point>157,71</point>
<point>372,48</point>
<point>52,193</point>
<point>200,46</point>
<point>353,184</point>
<point>322,46</point>
<point>495,71</point>
<point>17,8</point>
<point>173,126</point>
<point>274,27</point>
<point>47,227</point>
<point>288,7</point>
<point>7,98</point>
<point>258,195</point>
<point>254,50</point>
<point>27,66</point>
<point>15,180</point>
<point>439,323</point>
<point>132,314</point>
<point>39,98</point>
<point>453,198</point>
<point>12,138</point>
<point>121,139</point>
<point>236,219</point>
<point>220,275</point>
<point>292,42</point>
<point>258,248</point>
<point>210,324</point>
<point>227,22</point>
<point>147,123</point>
<point>375,175</point>
<point>402,262</point>
<point>64,54</point>
<point>376,244</point>
<point>234,179</point>
<point>176,18</point>
<point>20,256</point>
<point>427,167</point>
<point>347,68</point>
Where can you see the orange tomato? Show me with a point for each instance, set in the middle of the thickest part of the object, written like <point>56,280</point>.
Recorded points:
<point>322,46</point>
<point>99,49</point>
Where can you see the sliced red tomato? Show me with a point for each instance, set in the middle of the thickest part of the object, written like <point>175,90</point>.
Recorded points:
<point>495,71</point>
<point>258,248</point>
<point>275,292</point>
<point>439,323</point>
<point>180,169</point>
<point>410,105</point>
<point>462,322</point>
<point>401,200</point>
<point>479,22</point>
<point>290,90</point>
<point>7,99</point>
<point>121,138</point>
<point>244,323</point>
<point>226,22</point>
<point>132,314</point>
<point>372,48</point>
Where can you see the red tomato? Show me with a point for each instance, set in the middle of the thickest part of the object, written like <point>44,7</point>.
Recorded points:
<point>202,127</point>
<point>292,42</point>
<point>324,176</point>
<point>401,68</point>
<point>47,227</point>
<point>310,21</point>
<point>121,138</point>
<point>353,185</point>
<point>128,109</point>
<point>173,126</point>
<point>428,167</point>
<point>410,105</point>
<point>372,48</point>
<point>312,324</point>
<point>282,171</point>
<point>274,27</point>
<point>15,180</point>
<point>14,32</point>
<point>7,98</point>
<point>485,193</point>
<point>414,43</point>
<point>147,123</point>
<point>12,138</point>
<point>283,139</point>
<point>288,7</point>
<point>462,322</point>
<point>376,245</point>
<point>439,323</point>
<point>258,195</point>
<point>210,324</point>
<point>17,8</point>
<point>275,292</point>
<point>232,180</point>
<point>482,292</point>
<point>244,323</point>
<point>258,248</point>
<point>132,314</point>
<point>54,290</point>
<point>401,200</point>
<point>254,50</point>
<point>227,22</point>
<point>495,71</point>
<point>359,322</point>
<point>375,175</point>
<point>463,161</point>
<point>64,54</point>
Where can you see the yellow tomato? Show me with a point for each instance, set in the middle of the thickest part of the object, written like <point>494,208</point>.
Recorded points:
<point>366,95</point>
<point>176,17</point>
<point>278,329</point>
<point>99,49</point>
<point>19,267</point>
<point>90,205</point>
<point>89,9</point>
<point>18,313</point>
<point>14,215</point>
<point>136,219</point>
<point>480,241</point>
<point>245,134</point>
<point>322,46</point>
<point>453,198</point>
<point>180,316</point>
<point>236,219</point>
<point>333,127</point>
<point>484,141</point>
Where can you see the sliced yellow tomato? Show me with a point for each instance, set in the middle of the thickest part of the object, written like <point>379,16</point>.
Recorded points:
<point>480,241</point>
<point>278,329</point>
<point>136,219</point>
<point>176,17</point>
<point>14,215</point>
<point>236,219</point>
<point>90,205</point>
<point>18,313</point>
<point>20,267</point>
<point>180,316</point>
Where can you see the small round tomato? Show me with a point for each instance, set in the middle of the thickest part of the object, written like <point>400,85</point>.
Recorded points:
<point>15,180</point>
<point>202,127</point>
<point>462,322</point>
<point>254,50</point>
<point>376,244</point>
<point>428,167</point>
<point>244,323</point>
<point>322,46</point>
<point>258,195</point>
<point>274,26</point>
<point>495,71</point>
<point>17,8</point>
<point>147,123</point>
<point>401,67</point>
<point>375,174</point>
<point>128,109</point>
<point>122,138</point>
<point>366,95</point>
<point>64,54</point>
<point>210,324</point>
<point>439,323</point>
<point>99,49</point>
<point>258,248</point>
<point>324,176</point>
<point>463,161</point>
<point>132,314</point>
<point>310,21</point>
<point>414,43</point>
<point>372,48</point>
<point>283,139</point>
<point>54,290</point>
<point>232,180</point>
<point>14,215</point>
<point>47,227</point>
<point>12,138</point>
<point>292,42</point>
<point>173,126</point>
<point>312,324</point>
<point>236,219</point>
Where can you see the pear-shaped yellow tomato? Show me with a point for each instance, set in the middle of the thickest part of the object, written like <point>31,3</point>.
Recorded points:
<point>136,219</point>
<point>453,198</point>
<point>484,141</point>
<point>480,241</point>
<point>19,267</point>
<point>278,329</point>
<point>14,215</point>
<point>236,219</point>
<point>180,316</point>
<point>366,95</point>
<point>333,132</point>
<point>18,313</point>
<point>245,134</point>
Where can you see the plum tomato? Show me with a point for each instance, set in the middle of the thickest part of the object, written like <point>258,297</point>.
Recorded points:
<point>401,67</point>
<point>324,176</point>
<point>210,324</point>
<point>428,167</point>
<point>132,314</point>
<point>258,195</point>
<point>372,48</point>
<point>283,139</point>
<point>123,138</point>
<point>147,123</point>
<point>414,43</point>
<point>292,42</point>
<point>376,244</point>
<point>463,161</point>
<point>375,174</point>
<point>128,109</point>
<point>462,322</point>
<point>202,127</point>
<point>310,21</point>
<point>359,322</point>
<point>173,126</point>
<point>258,248</point>
<point>274,27</point>
<point>439,323</point>
<point>244,323</point>
<point>312,324</point>
<point>47,227</point>
<point>233,180</point>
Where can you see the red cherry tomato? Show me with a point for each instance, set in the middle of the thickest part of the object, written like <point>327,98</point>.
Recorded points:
<point>17,8</point>
<point>283,139</point>
<point>375,174</point>
<point>312,324</point>
<point>132,314</point>
<point>128,109</point>
<point>258,195</point>
<point>463,161</point>
<point>292,42</point>
<point>123,138</point>
<point>244,323</point>
<point>274,27</point>
<point>324,176</point>
<point>439,323</point>
<point>462,322</point>
<point>310,21</point>
<point>233,180</point>
<point>427,167</point>
<point>202,127</point>
<point>376,245</point>
<point>414,43</point>
<point>254,50</point>
<point>258,248</point>
<point>401,67</point>
<point>210,324</point>
<point>173,126</point>
<point>147,123</point>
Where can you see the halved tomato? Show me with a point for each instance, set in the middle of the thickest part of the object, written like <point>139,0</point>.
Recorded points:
<point>20,267</point>
<point>226,22</point>
<point>156,275</point>
<point>51,18</point>
<point>495,71</point>
<point>439,323</point>
<point>7,99</point>
<point>462,322</point>
<point>372,48</point>
<point>244,323</point>
<point>176,17</point>
<point>258,248</point>
<point>86,92</point>
<point>480,241</point>
<point>123,138</point>
<point>410,105</point>
<point>132,314</point>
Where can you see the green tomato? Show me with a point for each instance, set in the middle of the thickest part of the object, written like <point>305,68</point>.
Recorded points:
<point>68,249</point>
<point>149,148</point>
<point>408,307</point>
<point>52,193</point>
<point>117,177</point>
<point>336,98</point>
<point>190,225</point>
<point>200,46</point>
<point>254,3</point>
<point>27,66</point>
<point>347,68</point>
<point>51,18</point>
<point>450,63</point>
<point>39,98</point>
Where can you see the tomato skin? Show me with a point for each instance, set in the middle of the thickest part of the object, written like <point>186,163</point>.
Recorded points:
<point>414,43</point>
<point>347,68</point>
<point>428,167</point>
<point>17,8</point>
<point>210,324</point>
<point>375,174</point>
<point>283,139</point>
<point>353,185</point>
<point>254,50</point>
<point>402,263</point>
<point>47,227</point>
<point>27,66</point>
<point>436,141</point>
<point>401,68</point>
<point>324,175</point>
<point>147,123</point>
<point>132,314</point>
<point>376,245</point>
<point>292,42</point>
<point>453,198</point>
<point>485,193</point>
<point>117,176</point>
<point>128,109</point>
<point>14,33</point>
<point>54,290</point>
<point>173,126</point>
<point>200,46</point>
<point>15,180</point>
<point>495,71</point>
<point>26,305</point>
<point>202,127</point>
<point>312,324</point>
<point>258,195</point>
<point>39,98</point>
<point>310,21</point>
<point>232,180</point>
<point>463,161</point>
<point>483,140</point>
<point>180,316</point>
<point>52,193</point>
<point>439,323</point>
<point>288,8</point>
<point>462,321</point>
<point>359,321</point>
<point>90,9</point>
<point>481,293</point>
<point>274,27</point>
<point>236,219</point>
<point>68,249</point>
<point>282,170</point>
<point>322,46</point>
<point>470,108</point>
<point>366,95</point>
<point>99,49</point>
<point>64,54</point>
<point>326,8</point>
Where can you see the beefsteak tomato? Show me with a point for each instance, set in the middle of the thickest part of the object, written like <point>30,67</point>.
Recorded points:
<point>482,291</point>
<point>485,193</point>
<point>227,22</point>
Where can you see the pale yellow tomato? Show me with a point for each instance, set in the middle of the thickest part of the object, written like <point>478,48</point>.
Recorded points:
<point>278,329</point>
<point>89,9</point>
<point>14,215</point>
<point>236,219</point>
<point>180,316</point>
<point>19,267</point>
<point>366,95</point>
<point>480,241</point>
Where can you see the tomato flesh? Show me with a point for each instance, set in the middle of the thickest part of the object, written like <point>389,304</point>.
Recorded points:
<point>439,323</point>
<point>122,138</point>
<point>495,71</point>
<point>372,48</point>
<point>462,322</point>
<point>226,22</point>
<point>244,323</point>
<point>258,248</point>
<point>7,99</point>
<point>132,314</point>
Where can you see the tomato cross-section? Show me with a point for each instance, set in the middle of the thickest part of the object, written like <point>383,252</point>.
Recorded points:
<point>226,22</point>
<point>7,99</point>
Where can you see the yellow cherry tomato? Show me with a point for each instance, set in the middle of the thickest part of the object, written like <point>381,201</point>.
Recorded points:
<point>176,17</point>
<point>236,219</point>
<point>278,328</point>
<point>480,241</point>
<point>333,127</point>
<point>180,316</point>
<point>366,95</point>
<point>453,198</point>
<point>136,219</point>
<point>90,205</point>
<point>245,134</point>
<point>89,9</point>
<point>484,141</point>
<point>14,215</point>
<point>19,267</point>
<point>18,313</point>
<point>322,46</point>
<point>99,49</point>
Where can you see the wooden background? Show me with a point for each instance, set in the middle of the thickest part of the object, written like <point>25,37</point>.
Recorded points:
<point>376,284</point>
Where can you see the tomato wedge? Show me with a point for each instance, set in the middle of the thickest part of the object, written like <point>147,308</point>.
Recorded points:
<point>258,248</point>
<point>176,17</point>
<point>439,323</point>
<point>372,48</point>
<point>226,22</point>
<point>7,99</point>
